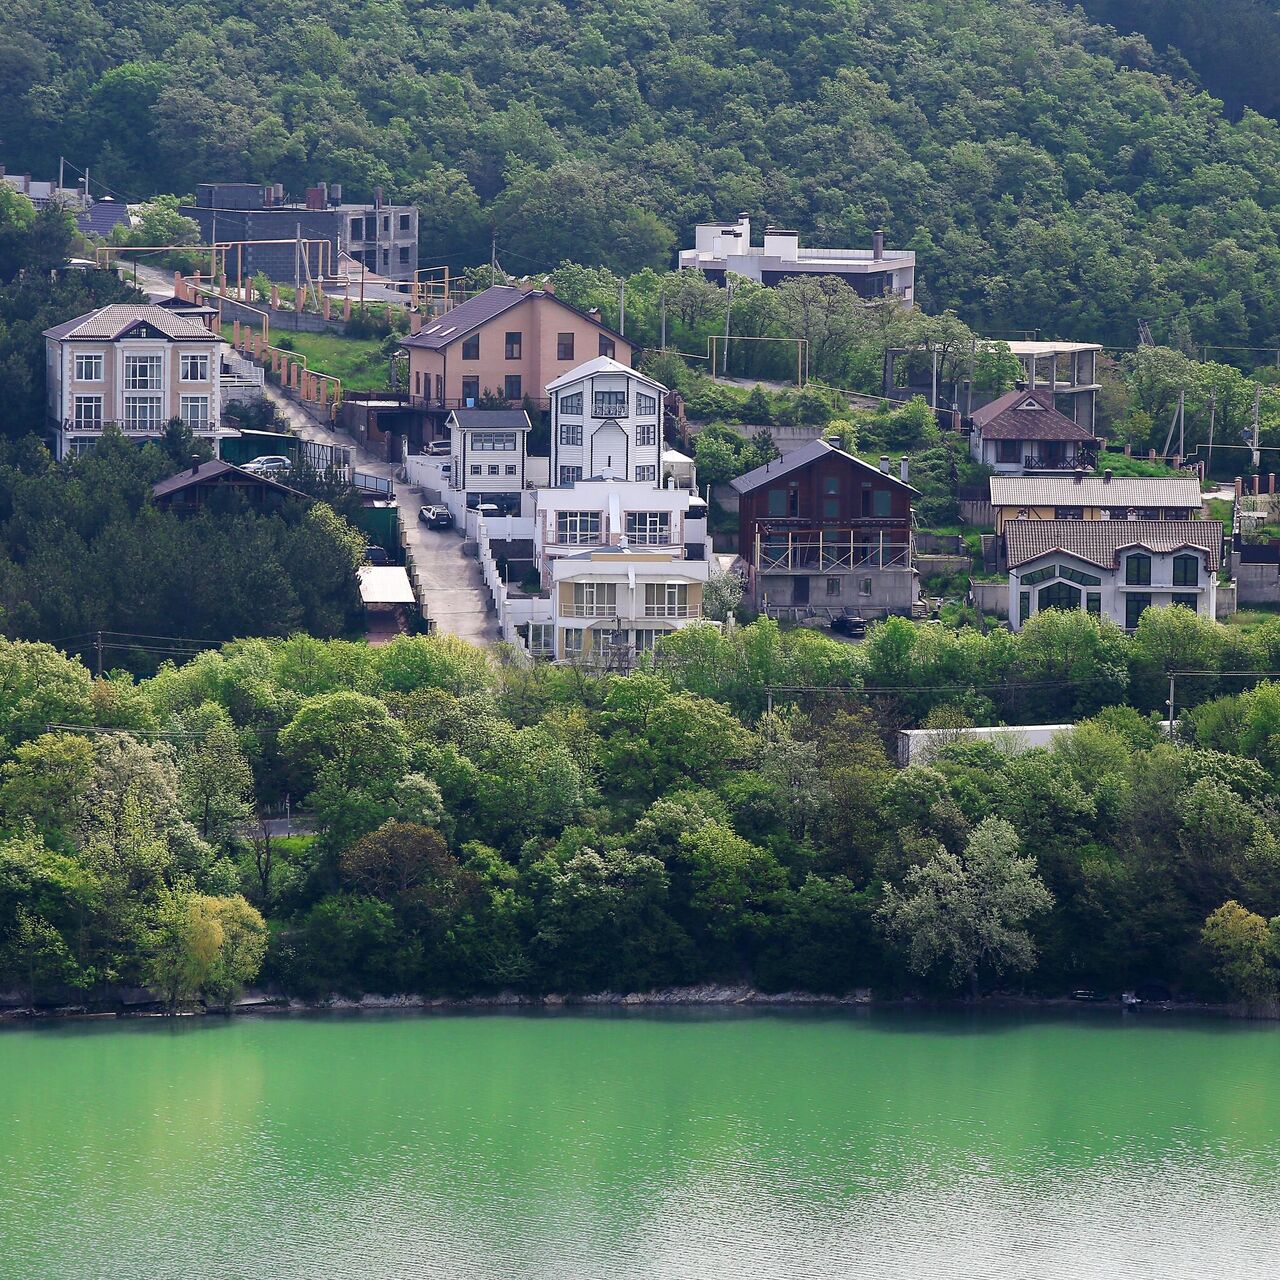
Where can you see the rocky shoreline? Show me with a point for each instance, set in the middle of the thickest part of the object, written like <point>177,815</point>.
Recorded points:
<point>136,1004</point>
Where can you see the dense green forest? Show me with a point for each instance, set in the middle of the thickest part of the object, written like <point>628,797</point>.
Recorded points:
<point>481,825</point>
<point>1231,45</point>
<point>1050,173</point>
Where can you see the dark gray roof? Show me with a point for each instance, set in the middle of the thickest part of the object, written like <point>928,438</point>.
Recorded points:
<point>207,471</point>
<point>1100,541</point>
<point>1026,415</point>
<point>802,457</point>
<point>107,323</point>
<point>491,419</point>
<point>101,216</point>
<point>445,330</point>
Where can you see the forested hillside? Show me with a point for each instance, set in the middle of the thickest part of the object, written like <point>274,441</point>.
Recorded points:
<point>1047,171</point>
<point>1231,45</point>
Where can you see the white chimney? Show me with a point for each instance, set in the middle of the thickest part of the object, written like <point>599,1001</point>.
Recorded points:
<point>884,463</point>
<point>903,468</point>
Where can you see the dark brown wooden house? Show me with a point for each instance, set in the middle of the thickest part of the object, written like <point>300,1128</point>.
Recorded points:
<point>823,532</point>
<point>190,489</point>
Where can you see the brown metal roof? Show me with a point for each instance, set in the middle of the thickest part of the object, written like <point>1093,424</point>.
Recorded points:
<point>466,317</point>
<point>1101,541</point>
<point>1026,415</point>
<point>214,469</point>
<point>802,457</point>
<point>108,323</point>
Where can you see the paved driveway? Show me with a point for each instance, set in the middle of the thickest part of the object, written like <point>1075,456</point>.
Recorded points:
<point>448,582</point>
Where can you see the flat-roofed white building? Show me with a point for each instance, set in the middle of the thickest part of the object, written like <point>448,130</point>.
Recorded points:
<point>722,247</point>
<point>621,563</point>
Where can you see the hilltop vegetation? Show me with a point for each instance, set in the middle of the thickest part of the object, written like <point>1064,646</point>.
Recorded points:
<point>1049,173</point>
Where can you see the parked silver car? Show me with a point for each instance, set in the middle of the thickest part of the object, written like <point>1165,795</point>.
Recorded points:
<point>270,464</point>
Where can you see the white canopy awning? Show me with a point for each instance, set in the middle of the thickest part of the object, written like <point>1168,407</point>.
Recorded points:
<point>385,585</point>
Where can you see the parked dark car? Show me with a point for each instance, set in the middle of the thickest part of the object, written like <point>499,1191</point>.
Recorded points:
<point>848,626</point>
<point>436,517</point>
<point>376,556</point>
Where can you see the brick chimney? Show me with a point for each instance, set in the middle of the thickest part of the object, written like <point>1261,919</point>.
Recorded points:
<point>415,322</point>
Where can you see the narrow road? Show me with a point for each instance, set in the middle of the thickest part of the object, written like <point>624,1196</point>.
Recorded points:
<point>448,582</point>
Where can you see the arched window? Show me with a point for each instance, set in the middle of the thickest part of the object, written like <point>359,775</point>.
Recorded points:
<point>1186,571</point>
<point>1058,595</point>
<point>1137,570</point>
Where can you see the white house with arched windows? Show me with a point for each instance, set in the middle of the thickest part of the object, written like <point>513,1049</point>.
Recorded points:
<point>1112,568</point>
<point>606,423</point>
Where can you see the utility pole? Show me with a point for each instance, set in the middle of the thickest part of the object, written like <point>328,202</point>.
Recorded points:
<point>61,164</point>
<point>1170,705</point>
<point>968,395</point>
<point>1213,415</point>
<point>98,646</point>
<point>297,260</point>
<point>1257,404</point>
<point>728,313</point>
<point>493,255</point>
<point>622,309</point>
<point>662,310</point>
<point>933,386</point>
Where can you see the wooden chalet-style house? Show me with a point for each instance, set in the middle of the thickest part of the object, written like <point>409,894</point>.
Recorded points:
<point>824,533</point>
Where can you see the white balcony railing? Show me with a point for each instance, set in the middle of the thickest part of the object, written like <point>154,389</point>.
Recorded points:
<point>591,611</point>
<point>609,409</point>
<point>672,611</point>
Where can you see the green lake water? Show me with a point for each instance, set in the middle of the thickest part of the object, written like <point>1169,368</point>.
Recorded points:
<point>641,1145</point>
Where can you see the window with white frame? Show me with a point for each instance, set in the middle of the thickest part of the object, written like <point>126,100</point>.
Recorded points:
<point>570,475</point>
<point>577,528</point>
<point>572,641</point>
<point>493,441</point>
<point>143,373</point>
<point>571,433</point>
<point>542,639</point>
<point>142,413</point>
<point>495,469</point>
<point>88,368</point>
<point>646,403</point>
<point>195,412</point>
<point>194,368</point>
<point>572,404</point>
<point>88,413</point>
<point>646,474</point>
<point>477,469</point>
<point>510,469</point>
<point>595,599</point>
<point>666,600</point>
<point>649,528</point>
<point>646,434</point>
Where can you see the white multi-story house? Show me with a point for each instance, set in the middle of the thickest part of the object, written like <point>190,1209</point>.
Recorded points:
<point>134,365</point>
<point>488,449</point>
<point>1112,568</point>
<point>606,421</point>
<point>620,563</point>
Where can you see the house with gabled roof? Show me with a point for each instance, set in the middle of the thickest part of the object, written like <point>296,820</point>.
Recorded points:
<point>134,365</point>
<point>823,533</point>
<point>1081,495</point>
<point>502,345</point>
<point>1022,432</point>
<point>1112,568</point>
